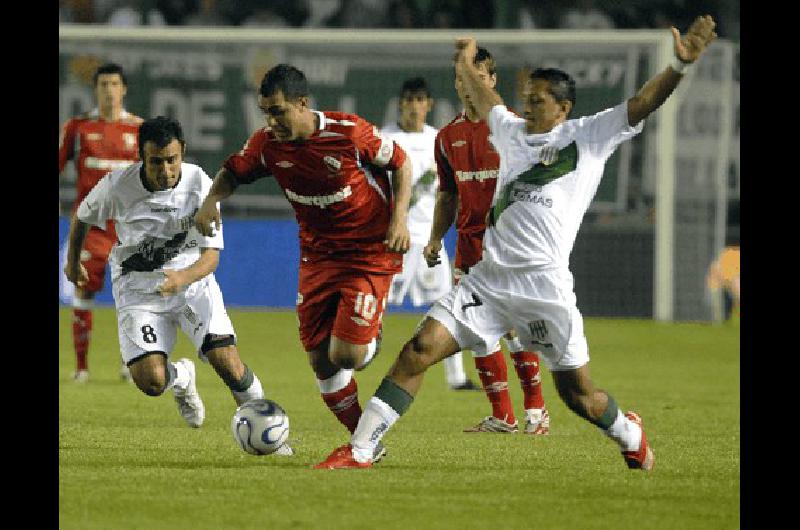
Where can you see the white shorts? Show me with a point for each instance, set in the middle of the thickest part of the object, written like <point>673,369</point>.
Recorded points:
<point>424,285</point>
<point>202,312</point>
<point>539,306</point>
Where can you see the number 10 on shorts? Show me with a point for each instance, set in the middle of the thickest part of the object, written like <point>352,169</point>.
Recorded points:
<point>366,305</point>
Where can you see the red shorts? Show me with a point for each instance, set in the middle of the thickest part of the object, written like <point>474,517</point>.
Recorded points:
<point>94,257</point>
<point>341,301</point>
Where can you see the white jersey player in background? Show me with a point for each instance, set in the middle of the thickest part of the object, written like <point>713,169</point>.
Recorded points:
<point>422,284</point>
<point>162,271</point>
<point>550,167</point>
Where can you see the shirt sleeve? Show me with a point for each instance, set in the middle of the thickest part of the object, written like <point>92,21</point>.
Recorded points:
<point>248,164</point>
<point>444,170</point>
<point>503,126</point>
<point>604,131</point>
<point>66,144</point>
<point>98,206</point>
<point>376,148</point>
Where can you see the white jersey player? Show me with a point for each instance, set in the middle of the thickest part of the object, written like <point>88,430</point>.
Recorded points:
<point>422,284</point>
<point>162,271</point>
<point>549,170</point>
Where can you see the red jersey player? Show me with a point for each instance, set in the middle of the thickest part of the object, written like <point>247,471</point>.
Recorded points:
<point>468,166</point>
<point>98,141</point>
<point>332,168</point>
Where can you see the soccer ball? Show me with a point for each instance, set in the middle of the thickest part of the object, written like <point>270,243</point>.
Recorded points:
<point>260,426</point>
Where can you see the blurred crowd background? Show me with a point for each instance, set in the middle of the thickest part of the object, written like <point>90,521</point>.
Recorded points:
<point>406,14</point>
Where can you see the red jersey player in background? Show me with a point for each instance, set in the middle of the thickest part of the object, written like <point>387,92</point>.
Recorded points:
<point>99,141</point>
<point>468,166</point>
<point>332,168</point>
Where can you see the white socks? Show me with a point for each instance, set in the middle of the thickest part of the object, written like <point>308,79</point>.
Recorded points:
<point>333,384</point>
<point>625,432</point>
<point>254,391</point>
<point>178,376</point>
<point>454,372</point>
<point>376,419</point>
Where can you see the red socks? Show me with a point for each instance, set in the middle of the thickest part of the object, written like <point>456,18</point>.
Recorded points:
<point>526,363</point>
<point>344,405</point>
<point>81,333</point>
<point>494,376</point>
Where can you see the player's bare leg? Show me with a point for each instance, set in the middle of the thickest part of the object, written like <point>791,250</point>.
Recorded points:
<point>154,374</point>
<point>431,343</point>
<point>223,355</point>
<point>526,364</point>
<point>578,392</point>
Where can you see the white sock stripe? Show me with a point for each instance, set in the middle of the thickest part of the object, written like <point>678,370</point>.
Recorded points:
<point>80,303</point>
<point>333,384</point>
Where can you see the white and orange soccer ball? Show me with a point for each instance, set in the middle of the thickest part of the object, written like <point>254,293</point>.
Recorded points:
<point>260,426</point>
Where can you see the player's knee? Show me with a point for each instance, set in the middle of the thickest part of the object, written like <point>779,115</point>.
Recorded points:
<point>344,359</point>
<point>149,374</point>
<point>152,386</point>
<point>221,352</point>
<point>417,355</point>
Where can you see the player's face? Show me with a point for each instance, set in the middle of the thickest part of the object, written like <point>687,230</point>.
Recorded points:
<point>414,107</point>
<point>486,78</point>
<point>288,119</point>
<point>542,111</point>
<point>162,165</point>
<point>109,90</point>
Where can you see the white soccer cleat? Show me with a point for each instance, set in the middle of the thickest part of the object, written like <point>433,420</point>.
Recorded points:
<point>492,424</point>
<point>80,376</point>
<point>537,421</point>
<point>189,403</point>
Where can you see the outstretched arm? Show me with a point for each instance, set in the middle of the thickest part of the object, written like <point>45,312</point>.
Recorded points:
<point>222,188</point>
<point>687,50</point>
<point>480,95</point>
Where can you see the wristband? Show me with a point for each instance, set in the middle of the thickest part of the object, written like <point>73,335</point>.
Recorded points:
<point>680,66</point>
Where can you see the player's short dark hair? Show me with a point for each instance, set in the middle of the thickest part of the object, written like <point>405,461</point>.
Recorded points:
<point>483,56</point>
<point>110,68</point>
<point>286,78</point>
<point>161,131</point>
<point>415,85</point>
<point>562,85</point>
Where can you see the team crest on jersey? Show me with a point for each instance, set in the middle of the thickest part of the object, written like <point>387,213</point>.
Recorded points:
<point>284,164</point>
<point>459,143</point>
<point>332,164</point>
<point>130,141</point>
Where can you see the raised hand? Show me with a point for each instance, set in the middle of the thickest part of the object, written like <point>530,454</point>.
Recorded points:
<point>700,34</point>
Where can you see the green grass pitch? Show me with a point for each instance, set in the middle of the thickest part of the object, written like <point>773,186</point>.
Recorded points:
<point>128,461</point>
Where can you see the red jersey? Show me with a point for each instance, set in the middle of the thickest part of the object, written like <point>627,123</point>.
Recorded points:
<point>467,165</point>
<point>98,146</point>
<point>337,183</point>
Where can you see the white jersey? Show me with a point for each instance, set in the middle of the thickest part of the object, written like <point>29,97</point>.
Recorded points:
<point>419,146</point>
<point>155,231</point>
<point>537,208</point>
